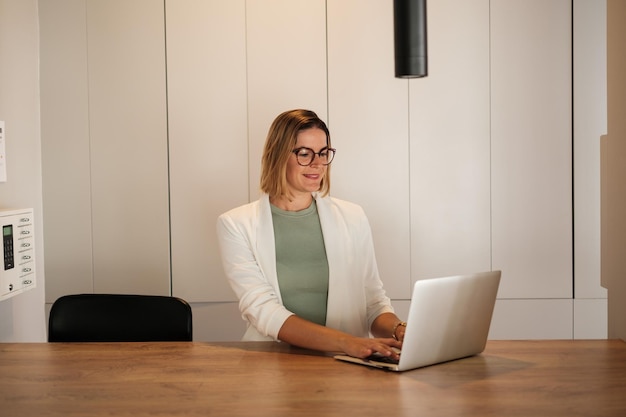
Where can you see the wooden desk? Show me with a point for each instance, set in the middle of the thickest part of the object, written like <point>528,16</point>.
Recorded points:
<point>511,378</point>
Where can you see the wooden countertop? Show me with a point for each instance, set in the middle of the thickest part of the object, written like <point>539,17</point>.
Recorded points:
<point>511,378</point>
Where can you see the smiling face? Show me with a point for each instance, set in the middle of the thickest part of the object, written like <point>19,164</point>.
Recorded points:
<point>288,184</point>
<point>304,180</point>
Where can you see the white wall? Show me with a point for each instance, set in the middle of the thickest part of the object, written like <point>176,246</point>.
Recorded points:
<point>232,66</point>
<point>22,317</point>
<point>104,141</point>
<point>590,122</point>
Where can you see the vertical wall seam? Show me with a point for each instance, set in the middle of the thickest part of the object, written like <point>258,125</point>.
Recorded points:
<point>327,65</point>
<point>89,139</point>
<point>490,132</point>
<point>245,28</point>
<point>408,153</point>
<point>572,150</point>
<point>168,162</point>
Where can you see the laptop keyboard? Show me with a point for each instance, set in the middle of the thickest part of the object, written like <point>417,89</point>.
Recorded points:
<point>376,357</point>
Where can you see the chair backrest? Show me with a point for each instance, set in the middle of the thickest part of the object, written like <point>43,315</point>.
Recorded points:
<point>119,318</point>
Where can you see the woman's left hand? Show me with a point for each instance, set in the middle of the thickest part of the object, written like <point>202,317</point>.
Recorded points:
<point>362,347</point>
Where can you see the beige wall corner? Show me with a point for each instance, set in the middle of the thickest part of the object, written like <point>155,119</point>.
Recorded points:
<point>613,173</point>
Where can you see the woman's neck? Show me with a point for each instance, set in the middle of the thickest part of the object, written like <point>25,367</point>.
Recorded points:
<point>296,203</point>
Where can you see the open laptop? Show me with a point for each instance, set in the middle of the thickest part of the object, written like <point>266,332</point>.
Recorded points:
<point>449,318</point>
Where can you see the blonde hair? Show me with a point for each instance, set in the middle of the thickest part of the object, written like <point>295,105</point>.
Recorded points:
<point>280,142</point>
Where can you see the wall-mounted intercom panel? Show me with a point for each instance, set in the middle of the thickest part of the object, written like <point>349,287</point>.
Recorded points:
<point>17,271</point>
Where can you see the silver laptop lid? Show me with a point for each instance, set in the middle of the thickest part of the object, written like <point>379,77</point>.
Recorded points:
<point>449,318</point>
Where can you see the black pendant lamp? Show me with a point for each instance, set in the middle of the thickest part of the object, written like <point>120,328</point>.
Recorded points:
<point>410,38</point>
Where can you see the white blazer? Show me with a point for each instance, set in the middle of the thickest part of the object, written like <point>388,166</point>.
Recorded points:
<point>355,292</point>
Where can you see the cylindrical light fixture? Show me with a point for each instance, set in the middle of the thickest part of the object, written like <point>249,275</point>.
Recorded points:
<point>410,38</point>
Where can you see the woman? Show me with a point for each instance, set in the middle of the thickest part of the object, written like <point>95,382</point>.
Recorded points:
<point>302,263</point>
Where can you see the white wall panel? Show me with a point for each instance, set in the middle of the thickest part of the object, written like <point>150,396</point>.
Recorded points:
<point>128,140</point>
<point>532,319</point>
<point>590,122</point>
<point>590,318</point>
<point>368,118</point>
<point>65,148</point>
<point>450,144</point>
<point>217,322</point>
<point>531,147</point>
<point>208,144</point>
<point>286,57</point>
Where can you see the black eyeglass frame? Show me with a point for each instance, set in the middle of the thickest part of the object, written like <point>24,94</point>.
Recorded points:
<point>332,151</point>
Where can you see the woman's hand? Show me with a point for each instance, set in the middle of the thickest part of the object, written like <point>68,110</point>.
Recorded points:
<point>363,347</point>
<point>299,332</point>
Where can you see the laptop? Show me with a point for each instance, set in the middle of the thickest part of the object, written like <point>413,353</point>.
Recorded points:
<point>449,319</point>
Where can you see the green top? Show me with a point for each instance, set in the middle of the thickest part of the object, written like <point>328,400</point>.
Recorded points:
<point>301,262</point>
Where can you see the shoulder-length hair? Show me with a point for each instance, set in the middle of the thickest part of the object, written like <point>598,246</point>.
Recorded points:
<point>280,142</point>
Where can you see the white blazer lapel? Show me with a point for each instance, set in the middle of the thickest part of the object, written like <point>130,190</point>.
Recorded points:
<point>340,303</point>
<point>265,244</point>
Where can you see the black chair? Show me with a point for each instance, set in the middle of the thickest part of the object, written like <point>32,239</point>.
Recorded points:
<point>119,318</point>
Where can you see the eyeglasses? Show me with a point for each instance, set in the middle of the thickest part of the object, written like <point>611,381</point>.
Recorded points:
<point>305,156</point>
